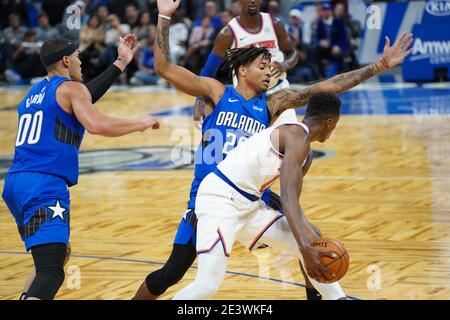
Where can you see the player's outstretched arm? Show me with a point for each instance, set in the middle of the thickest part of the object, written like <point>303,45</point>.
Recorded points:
<point>98,86</point>
<point>75,96</point>
<point>392,56</point>
<point>183,79</point>
<point>296,149</point>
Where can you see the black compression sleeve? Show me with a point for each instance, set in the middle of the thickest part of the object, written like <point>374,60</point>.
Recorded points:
<point>99,85</point>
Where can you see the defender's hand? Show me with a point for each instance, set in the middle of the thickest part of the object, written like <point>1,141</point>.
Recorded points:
<point>149,122</point>
<point>399,51</point>
<point>276,69</point>
<point>168,7</point>
<point>128,46</point>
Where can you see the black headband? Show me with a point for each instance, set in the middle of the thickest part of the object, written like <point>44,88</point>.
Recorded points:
<point>55,57</point>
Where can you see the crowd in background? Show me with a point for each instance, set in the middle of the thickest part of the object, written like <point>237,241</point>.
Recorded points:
<point>26,24</point>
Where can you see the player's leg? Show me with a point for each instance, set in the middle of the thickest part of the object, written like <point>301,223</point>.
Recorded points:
<point>210,274</point>
<point>273,200</point>
<point>41,206</point>
<point>220,218</point>
<point>272,228</point>
<point>181,259</point>
<point>32,274</point>
<point>49,266</point>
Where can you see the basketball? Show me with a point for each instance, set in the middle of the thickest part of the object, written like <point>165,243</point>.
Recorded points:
<point>338,265</point>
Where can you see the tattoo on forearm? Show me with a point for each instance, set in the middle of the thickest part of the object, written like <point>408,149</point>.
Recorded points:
<point>162,38</point>
<point>350,79</point>
<point>289,98</point>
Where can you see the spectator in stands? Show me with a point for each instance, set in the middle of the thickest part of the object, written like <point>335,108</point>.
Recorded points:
<point>91,45</point>
<point>118,7</point>
<point>27,59</point>
<point>93,7</point>
<point>132,15</point>
<point>71,23</point>
<point>178,37</point>
<point>200,44</point>
<point>353,30</point>
<point>333,41</point>
<point>104,16</point>
<point>45,31</point>
<point>273,8</point>
<point>112,38</point>
<point>303,71</point>
<point>146,69</point>
<point>55,10</point>
<point>145,31</point>
<point>15,33</point>
<point>210,11</point>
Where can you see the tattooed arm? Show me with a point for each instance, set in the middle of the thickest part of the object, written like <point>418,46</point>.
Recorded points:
<point>290,98</point>
<point>183,79</point>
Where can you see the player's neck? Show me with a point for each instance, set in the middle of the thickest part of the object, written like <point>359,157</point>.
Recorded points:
<point>249,21</point>
<point>60,72</point>
<point>246,92</point>
<point>313,130</point>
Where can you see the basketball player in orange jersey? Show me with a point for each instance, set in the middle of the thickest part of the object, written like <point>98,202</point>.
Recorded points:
<point>247,103</point>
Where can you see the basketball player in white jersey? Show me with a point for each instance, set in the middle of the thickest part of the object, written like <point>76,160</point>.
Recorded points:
<point>229,208</point>
<point>252,66</point>
<point>260,29</point>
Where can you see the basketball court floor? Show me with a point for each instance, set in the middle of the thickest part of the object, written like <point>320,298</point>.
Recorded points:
<point>381,185</point>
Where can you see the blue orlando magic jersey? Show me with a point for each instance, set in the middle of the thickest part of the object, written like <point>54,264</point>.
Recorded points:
<point>233,120</point>
<point>48,138</point>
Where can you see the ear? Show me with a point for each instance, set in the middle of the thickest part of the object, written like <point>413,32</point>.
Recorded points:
<point>329,122</point>
<point>65,61</point>
<point>243,71</point>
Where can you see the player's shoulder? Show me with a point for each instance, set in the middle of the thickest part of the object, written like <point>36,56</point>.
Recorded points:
<point>72,88</point>
<point>296,132</point>
<point>226,31</point>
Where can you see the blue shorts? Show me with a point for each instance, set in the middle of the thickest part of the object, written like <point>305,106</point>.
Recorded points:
<point>187,229</point>
<point>40,204</point>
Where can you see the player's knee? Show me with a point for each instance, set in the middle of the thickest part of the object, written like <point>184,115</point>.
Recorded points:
<point>49,264</point>
<point>160,280</point>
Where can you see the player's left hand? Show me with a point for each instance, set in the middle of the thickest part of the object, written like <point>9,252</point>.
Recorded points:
<point>399,51</point>
<point>168,7</point>
<point>277,69</point>
<point>128,46</point>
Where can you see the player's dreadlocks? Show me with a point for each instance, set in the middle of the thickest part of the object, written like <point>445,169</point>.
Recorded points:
<point>236,57</point>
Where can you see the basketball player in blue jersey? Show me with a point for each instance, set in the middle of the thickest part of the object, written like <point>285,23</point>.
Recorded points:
<point>52,120</point>
<point>237,113</point>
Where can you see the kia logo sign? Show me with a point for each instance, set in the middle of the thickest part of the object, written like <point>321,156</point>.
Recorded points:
<point>438,8</point>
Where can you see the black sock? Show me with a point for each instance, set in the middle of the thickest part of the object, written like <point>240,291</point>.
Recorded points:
<point>313,294</point>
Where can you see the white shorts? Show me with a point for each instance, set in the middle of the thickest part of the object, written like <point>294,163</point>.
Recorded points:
<point>224,216</point>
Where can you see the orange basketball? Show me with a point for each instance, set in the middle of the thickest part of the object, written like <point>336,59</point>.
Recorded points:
<point>338,265</point>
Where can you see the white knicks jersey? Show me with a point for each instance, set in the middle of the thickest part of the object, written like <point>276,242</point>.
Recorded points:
<point>265,37</point>
<point>254,165</point>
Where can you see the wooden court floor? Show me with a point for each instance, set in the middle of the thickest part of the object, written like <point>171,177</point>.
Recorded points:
<point>384,191</point>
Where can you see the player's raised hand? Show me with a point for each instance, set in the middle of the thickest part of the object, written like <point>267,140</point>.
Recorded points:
<point>167,7</point>
<point>399,51</point>
<point>128,46</point>
<point>149,122</point>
